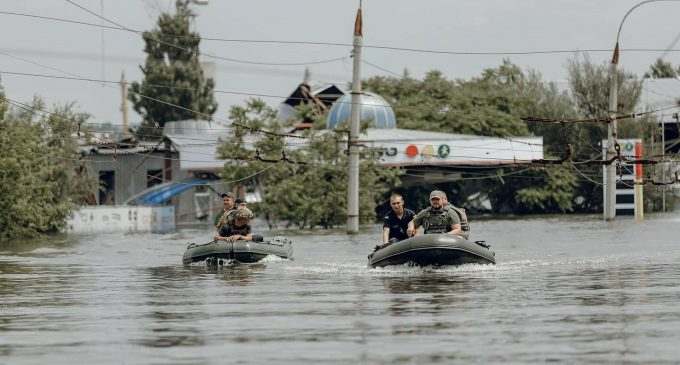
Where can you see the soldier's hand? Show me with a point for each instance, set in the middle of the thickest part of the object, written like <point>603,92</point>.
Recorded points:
<point>410,231</point>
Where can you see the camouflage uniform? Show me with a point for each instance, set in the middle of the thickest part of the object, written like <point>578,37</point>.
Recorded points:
<point>225,218</point>
<point>230,228</point>
<point>462,217</point>
<point>436,220</point>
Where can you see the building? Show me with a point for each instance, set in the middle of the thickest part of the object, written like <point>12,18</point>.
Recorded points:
<point>661,97</point>
<point>434,156</point>
<point>177,176</point>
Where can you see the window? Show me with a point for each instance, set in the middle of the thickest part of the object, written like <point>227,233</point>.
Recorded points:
<point>107,187</point>
<point>153,177</point>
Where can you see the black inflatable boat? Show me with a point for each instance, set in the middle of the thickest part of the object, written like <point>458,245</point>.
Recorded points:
<point>435,250</point>
<point>240,251</point>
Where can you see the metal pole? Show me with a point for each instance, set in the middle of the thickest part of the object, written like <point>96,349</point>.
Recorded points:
<point>637,189</point>
<point>610,170</point>
<point>123,104</point>
<point>353,174</point>
<point>610,187</point>
<point>663,168</point>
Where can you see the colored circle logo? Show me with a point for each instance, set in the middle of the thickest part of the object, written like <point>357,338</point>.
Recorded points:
<point>428,151</point>
<point>411,151</point>
<point>628,147</point>
<point>443,151</point>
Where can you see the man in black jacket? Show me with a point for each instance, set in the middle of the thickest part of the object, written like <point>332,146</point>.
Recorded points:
<point>396,221</point>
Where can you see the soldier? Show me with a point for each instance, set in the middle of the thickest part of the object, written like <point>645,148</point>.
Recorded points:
<point>435,218</point>
<point>241,203</point>
<point>462,216</point>
<point>238,228</point>
<point>228,201</point>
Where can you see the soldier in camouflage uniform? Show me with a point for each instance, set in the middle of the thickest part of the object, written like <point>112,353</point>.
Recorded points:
<point>222,218</point>
<point>238,228</point>
<point>436,218</point>
<point>462,216</point>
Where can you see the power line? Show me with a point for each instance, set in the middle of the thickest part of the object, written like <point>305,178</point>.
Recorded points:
<point>597,120</point>
<point>171,87</point>
<point>375,46</point>
<point>122,27</point>
<point>285,159</point>
<point>382,69</point>
<point>258,130</point>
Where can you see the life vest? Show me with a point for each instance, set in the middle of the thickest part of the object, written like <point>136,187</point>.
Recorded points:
<point>437,221</point>
<point>464,224</point>
<point>226,218</point>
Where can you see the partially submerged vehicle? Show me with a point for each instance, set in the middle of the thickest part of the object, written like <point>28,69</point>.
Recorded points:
<point>433,250</point>
<point>239,251</point>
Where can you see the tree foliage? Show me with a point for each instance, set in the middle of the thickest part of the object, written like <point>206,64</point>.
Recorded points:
<point>480,106</point>
<point>661,70</point>
<point>172,60</point>
<point>589,84</point>
<point>305,195</point>
<point>491,104</point>
<point>41,175</point>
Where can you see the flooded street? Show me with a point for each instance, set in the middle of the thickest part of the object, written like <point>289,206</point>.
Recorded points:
<point>569,289</point>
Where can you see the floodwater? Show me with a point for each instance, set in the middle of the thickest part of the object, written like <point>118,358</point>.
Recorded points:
<point>567,289</point>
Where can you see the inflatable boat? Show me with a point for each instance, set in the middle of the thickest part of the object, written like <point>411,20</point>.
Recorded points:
<point>435,250</point>
<point>240,251</point>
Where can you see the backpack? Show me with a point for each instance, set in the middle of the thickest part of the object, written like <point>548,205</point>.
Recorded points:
<point>464,224</point>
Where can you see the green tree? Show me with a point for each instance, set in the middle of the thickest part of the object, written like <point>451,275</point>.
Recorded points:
<point>305,195</point>
<point>589,84</point>
<point>491,104</point>
<point>661,70</point>
<point>41,175</point>
<point>172,59</point>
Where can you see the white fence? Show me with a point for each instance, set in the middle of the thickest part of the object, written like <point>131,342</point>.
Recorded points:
<point>129,219</point>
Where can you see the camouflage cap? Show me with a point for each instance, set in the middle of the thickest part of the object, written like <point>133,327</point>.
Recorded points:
<point>437,194</point>
<point>244,213</point>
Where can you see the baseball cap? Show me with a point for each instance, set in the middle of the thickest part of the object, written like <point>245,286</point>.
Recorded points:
<point>438,194</point>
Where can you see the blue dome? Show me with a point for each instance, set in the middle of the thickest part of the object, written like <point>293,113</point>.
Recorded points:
<point>373,108</point>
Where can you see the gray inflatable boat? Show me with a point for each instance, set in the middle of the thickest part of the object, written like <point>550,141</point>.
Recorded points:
<point>240,251</point>
<point>433,250</point>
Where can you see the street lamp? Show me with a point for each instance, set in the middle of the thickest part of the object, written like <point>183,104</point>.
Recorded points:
<point>610,172</point>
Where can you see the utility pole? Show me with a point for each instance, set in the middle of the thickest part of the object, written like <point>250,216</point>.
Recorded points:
<point>610,170</point>
<point>123,104</point>
<point>353,174</point>
<point>663,158</point>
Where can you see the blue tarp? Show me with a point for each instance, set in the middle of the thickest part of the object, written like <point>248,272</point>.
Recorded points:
<point>160,194</point>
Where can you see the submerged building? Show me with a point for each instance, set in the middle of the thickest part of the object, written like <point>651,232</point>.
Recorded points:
<point>154,185</point>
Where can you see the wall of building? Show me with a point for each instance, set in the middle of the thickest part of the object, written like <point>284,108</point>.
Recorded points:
<point>131,219</point>
<point>192,208</point>
<point>130,172</point>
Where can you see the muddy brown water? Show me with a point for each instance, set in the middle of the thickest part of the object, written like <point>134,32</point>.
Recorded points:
<point>567,289</point>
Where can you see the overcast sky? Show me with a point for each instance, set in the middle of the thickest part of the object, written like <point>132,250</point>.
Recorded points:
<point>454,25</point>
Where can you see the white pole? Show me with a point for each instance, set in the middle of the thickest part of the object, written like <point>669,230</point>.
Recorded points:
<point>123,104</point>
<point>663,168</point>
<point>638,191</point>
<point>353,174</point>
<point>610,170</point>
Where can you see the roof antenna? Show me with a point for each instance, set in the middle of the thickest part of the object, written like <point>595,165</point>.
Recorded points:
<point>308,76</point>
